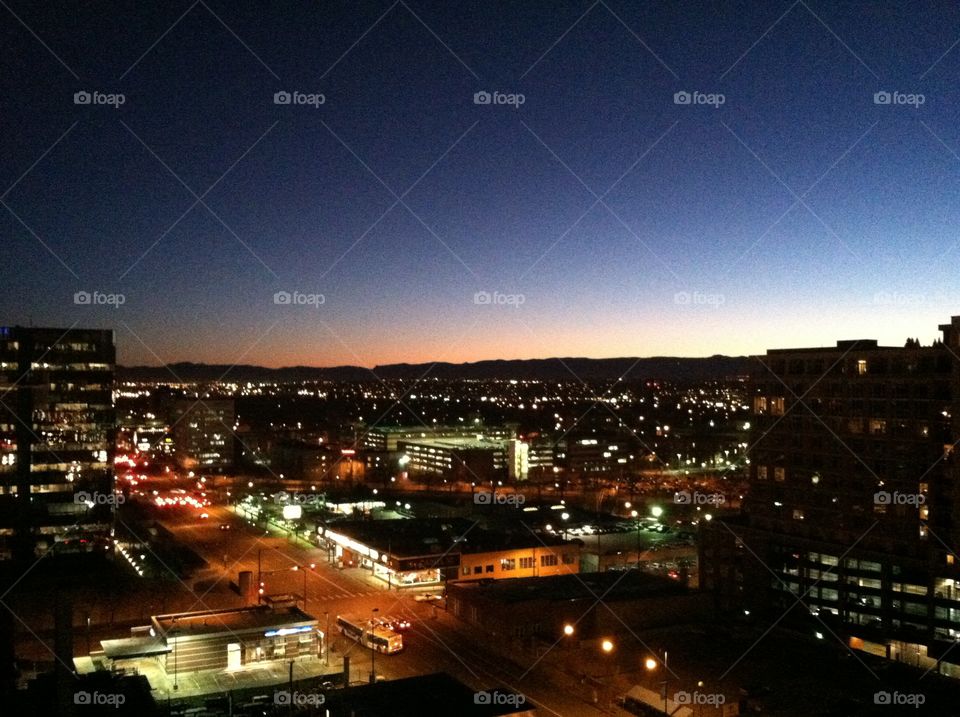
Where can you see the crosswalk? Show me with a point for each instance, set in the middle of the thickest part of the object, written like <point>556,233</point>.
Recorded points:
<point>344,594</point>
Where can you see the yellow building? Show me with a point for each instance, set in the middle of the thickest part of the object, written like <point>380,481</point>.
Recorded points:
<point>531,561</point>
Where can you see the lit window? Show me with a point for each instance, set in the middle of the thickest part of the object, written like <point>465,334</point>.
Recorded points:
<point>862,367</point>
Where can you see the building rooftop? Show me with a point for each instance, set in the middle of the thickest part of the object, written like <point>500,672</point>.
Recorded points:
<point>416,537</point>
<point>460,442</point>
<point>436,694</point>
<point>612,585</point>
<point>413,537</point>
<point>210,622</point>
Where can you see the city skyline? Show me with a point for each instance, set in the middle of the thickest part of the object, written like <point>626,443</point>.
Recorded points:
<point>641,180</point>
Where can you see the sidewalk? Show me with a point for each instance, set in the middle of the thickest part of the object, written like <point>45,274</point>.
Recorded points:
<point>265,675</point>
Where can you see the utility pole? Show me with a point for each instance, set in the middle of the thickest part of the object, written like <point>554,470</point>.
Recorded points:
<point>373,647</point>
<point>291,701</point>
<point>326,640</point>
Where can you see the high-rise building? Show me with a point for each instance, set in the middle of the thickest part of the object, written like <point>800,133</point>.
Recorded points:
<point>57,434</point>
<point>203,432</point>
<point>852,520</point>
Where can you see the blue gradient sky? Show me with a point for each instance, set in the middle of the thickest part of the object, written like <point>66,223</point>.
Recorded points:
<point>502,196</point>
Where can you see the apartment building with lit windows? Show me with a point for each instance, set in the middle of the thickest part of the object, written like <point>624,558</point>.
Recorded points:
<point>57,436</point>
<point>853,504</point>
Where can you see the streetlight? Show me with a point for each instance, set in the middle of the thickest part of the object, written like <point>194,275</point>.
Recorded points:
<point>173,630</point>
<point>326,639</point>
<point>656,511</point>
<point>651,664</point>
<point>636,516</point>
<point>607,646</point>
<point>568,629</point>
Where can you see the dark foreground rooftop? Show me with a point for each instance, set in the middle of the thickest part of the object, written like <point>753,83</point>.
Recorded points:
<point>612,585</point>
<point>424,696</point>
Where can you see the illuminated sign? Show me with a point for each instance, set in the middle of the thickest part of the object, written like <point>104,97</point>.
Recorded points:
<point>284,631</point>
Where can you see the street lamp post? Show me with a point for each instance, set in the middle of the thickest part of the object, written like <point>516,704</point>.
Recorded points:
<point>259,578</point>
<point>651,664</point>
<point>326,639</point>
<point>176,685</point>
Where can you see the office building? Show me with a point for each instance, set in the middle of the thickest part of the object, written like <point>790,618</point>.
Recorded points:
<point>57,434</point>
<point>203,433</point>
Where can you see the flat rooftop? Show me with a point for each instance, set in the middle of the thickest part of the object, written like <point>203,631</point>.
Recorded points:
<point>210,622</point>
<point>461,443</point>
<point>130,647</point>
<point>435,694</point>
<point>853,346</point>
<point>427,536</point>
<point>612,585</point>
<point>413,537</point>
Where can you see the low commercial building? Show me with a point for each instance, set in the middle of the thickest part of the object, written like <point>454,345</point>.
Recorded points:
<point>596,454</point>
<point>428,551</point>
<point>471,453</point>
<point>221,639</point>
<point>387,438</point>
<point>461,458</point>
<point>518,557</point>
<point>541,607</point>
<point>402,553</point>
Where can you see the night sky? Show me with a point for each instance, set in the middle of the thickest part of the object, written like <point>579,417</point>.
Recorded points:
<point>605,218</point>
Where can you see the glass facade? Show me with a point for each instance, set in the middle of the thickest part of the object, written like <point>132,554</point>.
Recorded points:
<point>57,435</point>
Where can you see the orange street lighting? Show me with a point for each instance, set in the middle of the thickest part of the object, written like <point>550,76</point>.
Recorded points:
<point>650,664</point>
<point>607,645</point>
<point>568,630</point>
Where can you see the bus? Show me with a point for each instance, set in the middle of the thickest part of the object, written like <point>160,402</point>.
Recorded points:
<point>381,639</point>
